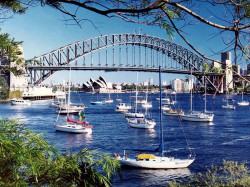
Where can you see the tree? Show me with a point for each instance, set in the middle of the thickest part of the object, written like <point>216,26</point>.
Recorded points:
<point>9,48</point>
<point>26,159</point>
<point>4,89</point>
<point>10,7</point>
<point>229,17</point>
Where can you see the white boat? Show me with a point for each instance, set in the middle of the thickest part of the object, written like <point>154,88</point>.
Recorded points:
<point>16,101</point>
<point>135,114</point>
<point>70,125</point>
<point>147,105</point>
<point>152,161</point>
<point>67,111</point>
<point>229,104</point>
<point>242,102</point>
<point>72,107</point>
<point>196,116</point>
<point>172,112</point>
<point>141,123</point>
<point>165,108</point>
<point>122,107</point>
<point>97,103</point>
<point>73,126</point>
<point>109,100</point>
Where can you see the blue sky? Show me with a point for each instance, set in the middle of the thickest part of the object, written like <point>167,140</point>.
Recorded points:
<point>42,29</point>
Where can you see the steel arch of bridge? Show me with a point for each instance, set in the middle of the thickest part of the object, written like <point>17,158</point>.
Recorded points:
<point>40,68</point>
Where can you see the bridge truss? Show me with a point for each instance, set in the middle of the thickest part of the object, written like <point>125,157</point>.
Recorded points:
<point>119,52</point>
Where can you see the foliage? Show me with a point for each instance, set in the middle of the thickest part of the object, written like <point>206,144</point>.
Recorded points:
<point>15,94</point>
<point>4,89</point>
<point>9,8</point>
<point>10,52</point>
<point>231,174</point>
<point>26,159</point>
<point>173,16</point>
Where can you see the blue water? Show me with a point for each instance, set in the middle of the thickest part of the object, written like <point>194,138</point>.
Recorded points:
<point>227,138</point>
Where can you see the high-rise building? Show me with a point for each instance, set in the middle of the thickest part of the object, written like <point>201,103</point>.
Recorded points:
<point>226,59</point>
<point>151,81</point>
<point>177,85</point>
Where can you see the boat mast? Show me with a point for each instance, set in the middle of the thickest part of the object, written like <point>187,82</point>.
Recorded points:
<point>69,91</point>
<point>191,93</point>
<point>161,147</point>
<point>136,93</point>
<point>205,95</point>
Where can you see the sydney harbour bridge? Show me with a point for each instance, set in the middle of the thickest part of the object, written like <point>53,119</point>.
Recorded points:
<point>123,52</point>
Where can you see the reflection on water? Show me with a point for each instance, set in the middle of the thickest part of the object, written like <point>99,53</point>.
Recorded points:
<point>151,177</point>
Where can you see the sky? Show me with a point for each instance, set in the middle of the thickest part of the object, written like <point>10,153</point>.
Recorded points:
<point>43,29</point>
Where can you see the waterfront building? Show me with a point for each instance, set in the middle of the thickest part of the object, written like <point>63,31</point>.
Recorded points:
<point>101,86</point>
<point>177,85</point>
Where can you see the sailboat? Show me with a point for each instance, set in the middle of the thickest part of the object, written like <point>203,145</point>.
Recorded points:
<point>197,116</point>
<point>150,160</point>
<point>109,100</point>
<point>147,104</point>
<point>242,102</point>
<point>71,125</point>
<point>98,102</point>
<point>135,114</point>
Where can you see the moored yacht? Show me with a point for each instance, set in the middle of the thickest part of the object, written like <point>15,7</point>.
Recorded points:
<point>16,101</point>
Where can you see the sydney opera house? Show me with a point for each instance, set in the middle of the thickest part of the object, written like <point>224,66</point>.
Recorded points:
<point>101,86</point>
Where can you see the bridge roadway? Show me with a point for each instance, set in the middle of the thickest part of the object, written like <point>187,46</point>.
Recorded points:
<point>107,69</point>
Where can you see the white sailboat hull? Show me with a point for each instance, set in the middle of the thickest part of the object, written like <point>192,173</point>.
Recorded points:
<point>198,118</point>
<point>73,128</point>
<point>171,114</point>
<point>143,124</point>
<point>243,103</point>
<point>109,101</point>
<point>157,163</point>
<point>232,107</point>
<point>147,105</point>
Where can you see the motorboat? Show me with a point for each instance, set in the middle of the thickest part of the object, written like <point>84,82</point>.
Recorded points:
<point>16,101</point>
<point>122,107</point>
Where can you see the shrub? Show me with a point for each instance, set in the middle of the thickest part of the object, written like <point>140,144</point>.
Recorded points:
<point>15,94</point>
<point>26,159</point>
<point>231,174</point>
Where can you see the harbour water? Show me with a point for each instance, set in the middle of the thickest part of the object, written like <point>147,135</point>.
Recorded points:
<point>226,138</point>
